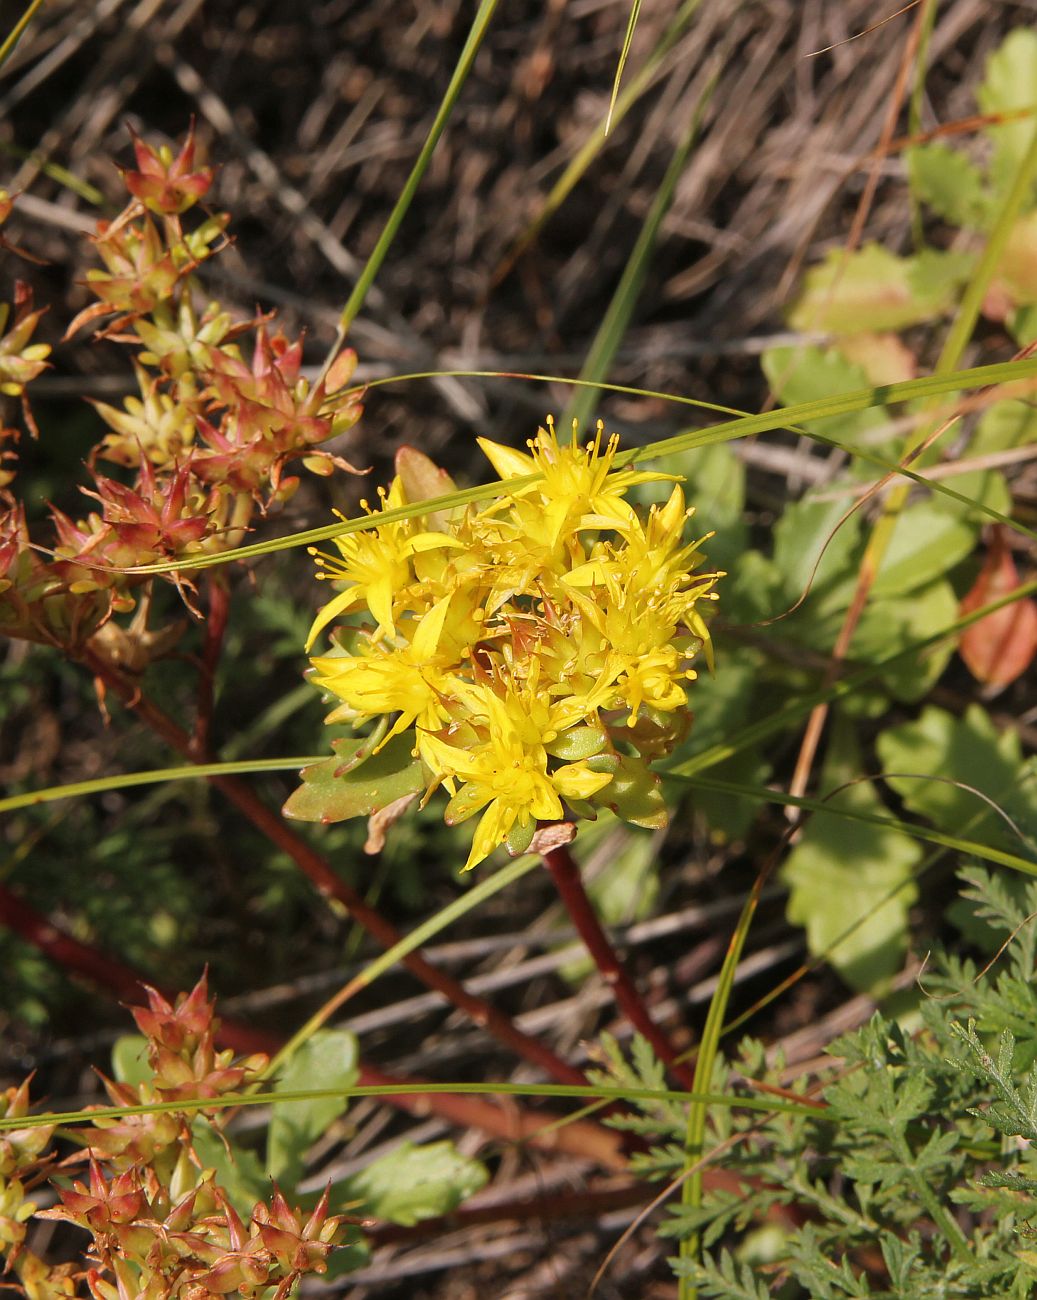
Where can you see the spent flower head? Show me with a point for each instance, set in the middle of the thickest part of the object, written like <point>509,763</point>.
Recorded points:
<point>537,652</point>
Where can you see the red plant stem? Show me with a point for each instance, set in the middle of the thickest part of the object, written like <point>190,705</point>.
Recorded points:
<point>504,1120</point>
<point>566,875</point>
<point>215,630</point>
<point>316,868</point>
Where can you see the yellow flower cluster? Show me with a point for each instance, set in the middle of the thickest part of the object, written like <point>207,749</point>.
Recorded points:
<point>539,648</point>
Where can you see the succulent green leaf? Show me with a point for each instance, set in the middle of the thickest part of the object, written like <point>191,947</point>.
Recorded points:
<point>520,837</point>
<point>634,794</point>
<point>577,743</point>
<point>347,786</point>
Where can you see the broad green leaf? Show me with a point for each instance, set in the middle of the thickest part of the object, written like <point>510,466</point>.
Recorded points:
<point>130,1060</point>
<point>753,589</point>
<point>894,623</point>
<point>969,750</point>
<point>329,794</point>
<point>1023,325</point>
<point>849,876</point>
<point>805,374</point>
<point>884,358</point>
<point>1010,84</point>
<point>873,290</point>
<point>1010,423</point>
<point>803,531</point>
<point>950,184</point>
<point>927,542</point>
<point>327,1060</point>
<point>413,1183</point>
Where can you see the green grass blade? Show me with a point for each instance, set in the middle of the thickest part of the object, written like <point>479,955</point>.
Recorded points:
<point>562,1091</point>
<point>956,843</point>
<point>592,146</point>
<point>972,300</point>
<point>127,780</point>
<point>698,1106</point>
<point>624,54</point>
<point>784,417</point>
<point>17,31</point>
<point>616,320</point>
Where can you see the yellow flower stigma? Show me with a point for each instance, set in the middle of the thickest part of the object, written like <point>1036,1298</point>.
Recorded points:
<point>530,649</point>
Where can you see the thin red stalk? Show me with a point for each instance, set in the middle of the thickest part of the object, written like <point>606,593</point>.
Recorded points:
<point>504,1120</point>
<point>215,630</point>
<point>566,875</point>
<point>316,868</point>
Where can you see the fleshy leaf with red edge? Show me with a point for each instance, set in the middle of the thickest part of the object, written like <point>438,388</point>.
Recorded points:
<point>999,648</point>
<point>165,184</point>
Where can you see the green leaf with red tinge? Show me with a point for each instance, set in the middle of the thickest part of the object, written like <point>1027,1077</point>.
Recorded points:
<point>873,290</point>
<point>350,786</point>
<point>423,480</point>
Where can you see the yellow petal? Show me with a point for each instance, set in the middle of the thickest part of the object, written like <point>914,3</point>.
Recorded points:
<point>331,611</point>
<point>577,781</point>
<point>508,462</point>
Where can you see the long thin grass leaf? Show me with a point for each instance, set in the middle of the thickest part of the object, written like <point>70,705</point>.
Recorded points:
<point>127,780</point>
<point>956,843</point>
<point>563,1091</point>
<point>592,146</point>
<point>624,54</point>
<point>17,31</point>
<point>784,417</point>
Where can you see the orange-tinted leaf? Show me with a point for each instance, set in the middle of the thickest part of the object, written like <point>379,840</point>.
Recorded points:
<point>1001,646</point>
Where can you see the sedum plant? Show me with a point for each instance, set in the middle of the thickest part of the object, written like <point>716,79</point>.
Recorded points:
<point>530,656</point>
<point>206,441</point>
